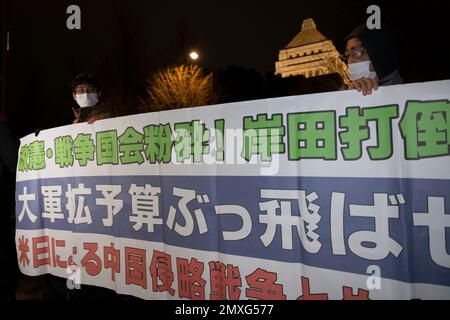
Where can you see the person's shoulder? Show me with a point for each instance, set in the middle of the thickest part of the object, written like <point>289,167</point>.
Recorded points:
<point>104,107</point>
<point>392,79</point>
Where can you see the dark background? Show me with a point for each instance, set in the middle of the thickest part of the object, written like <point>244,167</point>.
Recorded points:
<point>124,42</point>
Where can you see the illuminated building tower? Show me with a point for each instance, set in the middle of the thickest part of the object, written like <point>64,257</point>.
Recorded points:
<point>309,54</point>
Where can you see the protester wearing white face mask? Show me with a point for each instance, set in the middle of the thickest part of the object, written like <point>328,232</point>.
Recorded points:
<point>86,100</point>
<point>371,60</point>
<point>364,69</point>
<point>86,93</point>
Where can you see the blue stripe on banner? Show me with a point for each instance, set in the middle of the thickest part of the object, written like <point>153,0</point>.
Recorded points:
<point>414,263</point>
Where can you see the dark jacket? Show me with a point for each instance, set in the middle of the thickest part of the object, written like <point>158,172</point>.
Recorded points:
<point>8,162</point>
<point>8,259</point>
<point>99,112</point>
<point>8,150</point>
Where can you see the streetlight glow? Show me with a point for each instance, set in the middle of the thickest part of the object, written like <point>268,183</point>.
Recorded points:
<point>194,55</point>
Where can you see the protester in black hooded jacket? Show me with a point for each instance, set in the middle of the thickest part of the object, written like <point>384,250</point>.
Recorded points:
<point>8,150</point>
<point>8,260</point>
<point>371,59</point>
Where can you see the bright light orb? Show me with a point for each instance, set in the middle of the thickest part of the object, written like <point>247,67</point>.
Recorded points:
<point>194,55</point>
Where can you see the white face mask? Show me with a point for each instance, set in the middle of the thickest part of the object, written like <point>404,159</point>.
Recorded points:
<point>360,70</point>
<point>87,100</point>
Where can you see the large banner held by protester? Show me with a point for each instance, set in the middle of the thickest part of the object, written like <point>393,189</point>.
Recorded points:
<point>325,196</point>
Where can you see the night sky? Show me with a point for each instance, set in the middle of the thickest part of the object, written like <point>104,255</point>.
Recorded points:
<point>132,39</point>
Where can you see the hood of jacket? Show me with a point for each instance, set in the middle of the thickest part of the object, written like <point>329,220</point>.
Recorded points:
<point>380,46</point>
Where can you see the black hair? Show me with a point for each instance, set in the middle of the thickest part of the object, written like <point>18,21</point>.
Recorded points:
<point>85,79</point>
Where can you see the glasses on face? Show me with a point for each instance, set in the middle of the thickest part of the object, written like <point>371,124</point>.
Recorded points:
<point>85,89</point>
<point>354,54</point>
